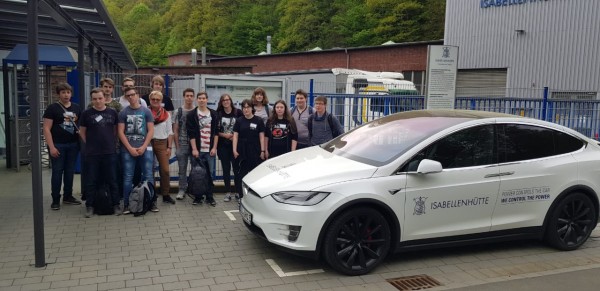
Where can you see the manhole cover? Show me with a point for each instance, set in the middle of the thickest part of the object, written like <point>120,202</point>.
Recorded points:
<point>418,282</point>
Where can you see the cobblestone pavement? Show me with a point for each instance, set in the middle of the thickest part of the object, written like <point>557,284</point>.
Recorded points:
<point>185,247</point>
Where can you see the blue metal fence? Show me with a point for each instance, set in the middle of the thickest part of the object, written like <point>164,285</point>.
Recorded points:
<point>581,115</point>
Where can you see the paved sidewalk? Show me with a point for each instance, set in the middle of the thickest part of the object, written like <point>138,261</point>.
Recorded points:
<point>186,247</point>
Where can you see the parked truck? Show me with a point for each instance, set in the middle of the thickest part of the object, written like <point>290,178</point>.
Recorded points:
<point>356,96</point>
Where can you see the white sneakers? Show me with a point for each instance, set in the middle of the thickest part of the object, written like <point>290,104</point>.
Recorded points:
<point>180,195</point>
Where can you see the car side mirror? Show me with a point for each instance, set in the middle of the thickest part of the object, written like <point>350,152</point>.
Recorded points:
<point>429,166</point>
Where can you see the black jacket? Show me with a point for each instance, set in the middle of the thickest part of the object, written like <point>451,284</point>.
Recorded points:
<point>193,126</point>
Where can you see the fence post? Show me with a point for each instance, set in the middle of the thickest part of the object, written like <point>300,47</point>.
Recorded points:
<point>545,104</point>
<point>311,95</point>
<point>166,85</point>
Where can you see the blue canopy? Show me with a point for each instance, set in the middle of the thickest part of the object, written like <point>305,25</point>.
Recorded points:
<point>50,55</point>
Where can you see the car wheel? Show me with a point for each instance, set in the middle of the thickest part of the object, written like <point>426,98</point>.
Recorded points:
<point>357,241</point>
<point>571,222</point>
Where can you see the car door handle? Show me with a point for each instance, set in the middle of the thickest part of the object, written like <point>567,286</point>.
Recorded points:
<point>499,174</point>
<point>394,191</point>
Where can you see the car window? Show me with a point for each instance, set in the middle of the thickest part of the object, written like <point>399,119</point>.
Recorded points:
<point>469,147</point>
<point>384,140</point>
<point>565,143</point>
<point>522,142</point>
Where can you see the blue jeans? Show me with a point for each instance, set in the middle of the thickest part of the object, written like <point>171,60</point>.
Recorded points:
<point>226,156</point>
<point>184,155</point>
<point>101,175</point>
<point>63,169</point>
<point>145,161</point>
<point>211,167</point>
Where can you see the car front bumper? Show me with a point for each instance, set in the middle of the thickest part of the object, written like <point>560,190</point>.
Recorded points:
<point>278,222</point>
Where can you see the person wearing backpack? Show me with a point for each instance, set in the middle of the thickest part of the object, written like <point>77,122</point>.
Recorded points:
<point>301,112</point>
<point>322,126</point>
<point>201,127</point>
<point>97,129</point>
<point>182,144</point>
<point>226,116</point>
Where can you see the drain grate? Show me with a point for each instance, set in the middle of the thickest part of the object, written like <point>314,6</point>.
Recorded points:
<point>418,282</point>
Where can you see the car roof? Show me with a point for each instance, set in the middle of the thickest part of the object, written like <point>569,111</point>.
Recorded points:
<point>469,114</point>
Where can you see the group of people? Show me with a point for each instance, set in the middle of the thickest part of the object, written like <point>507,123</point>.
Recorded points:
<point>122,137</point>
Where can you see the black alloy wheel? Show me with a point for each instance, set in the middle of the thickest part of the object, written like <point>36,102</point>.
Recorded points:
<point>357,241</point>
<point>572,222</point>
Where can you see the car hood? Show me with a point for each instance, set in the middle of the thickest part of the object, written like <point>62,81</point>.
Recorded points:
<point>304,170</point>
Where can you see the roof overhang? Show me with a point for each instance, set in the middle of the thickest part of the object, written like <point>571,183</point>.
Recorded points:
<point>61,22</point>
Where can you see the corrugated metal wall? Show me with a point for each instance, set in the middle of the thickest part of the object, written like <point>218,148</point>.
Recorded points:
<point>558,47</point>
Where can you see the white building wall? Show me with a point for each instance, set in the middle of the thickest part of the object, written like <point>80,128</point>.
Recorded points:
<point>558,47</point>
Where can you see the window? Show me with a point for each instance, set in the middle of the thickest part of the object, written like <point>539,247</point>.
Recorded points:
<point>564,143</point>
<point>467,148</point>
<point>525,142</point>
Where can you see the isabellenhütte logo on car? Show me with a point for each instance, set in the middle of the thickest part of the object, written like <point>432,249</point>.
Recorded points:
<point>419,205</point>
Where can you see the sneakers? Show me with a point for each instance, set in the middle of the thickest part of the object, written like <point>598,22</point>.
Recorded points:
<point>71,200</point>
<point>180,195</point>
<point>153,208</point>
<point>117,210</point>
<point>55,206</point>
<point>126,210</point>
<point>237,196</point>
<point>212,202</point>
<point>227,197</point>
<point>89,212</point>
<point>197,201</point>
<point>168,199</point>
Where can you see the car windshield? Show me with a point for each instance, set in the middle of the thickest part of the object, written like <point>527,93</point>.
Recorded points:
<point>381,141</point>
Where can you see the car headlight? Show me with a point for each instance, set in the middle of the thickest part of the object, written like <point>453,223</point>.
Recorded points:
<point>303,198</point>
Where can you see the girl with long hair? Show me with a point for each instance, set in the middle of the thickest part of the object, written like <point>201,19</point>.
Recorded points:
<point>281,133</point>
<point>226,116</point>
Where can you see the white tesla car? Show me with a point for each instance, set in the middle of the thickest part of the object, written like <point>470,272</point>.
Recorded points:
<point>427,178</point>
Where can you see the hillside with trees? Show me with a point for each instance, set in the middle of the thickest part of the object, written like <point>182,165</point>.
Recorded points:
<point>153,29</point>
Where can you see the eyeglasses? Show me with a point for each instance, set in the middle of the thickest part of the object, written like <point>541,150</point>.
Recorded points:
<point>155,99</point>
<point>130,95</point>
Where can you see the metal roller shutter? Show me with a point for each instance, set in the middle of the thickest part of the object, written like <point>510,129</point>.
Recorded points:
<point>481,83</point>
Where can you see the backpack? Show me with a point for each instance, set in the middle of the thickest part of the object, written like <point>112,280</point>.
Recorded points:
<point>140,198</point>
<point>310,110</point>
<point>199,181</point>
<point>103,202</point>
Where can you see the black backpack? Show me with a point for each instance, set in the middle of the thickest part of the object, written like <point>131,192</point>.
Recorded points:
<point>199,181</point>
<point>140,198</point>
<point>103,202</point>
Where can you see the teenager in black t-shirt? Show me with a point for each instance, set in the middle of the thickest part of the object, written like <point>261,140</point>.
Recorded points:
<point>281,134</point>
<point>226,117</point>
<point>61,134</point>
<point>248,143</point>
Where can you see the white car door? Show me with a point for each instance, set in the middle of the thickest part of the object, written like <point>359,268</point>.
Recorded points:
<point>537,165</point>
<point>460,199</point>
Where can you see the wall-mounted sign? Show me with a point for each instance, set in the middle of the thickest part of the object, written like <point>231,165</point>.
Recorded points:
<point>500,3</point>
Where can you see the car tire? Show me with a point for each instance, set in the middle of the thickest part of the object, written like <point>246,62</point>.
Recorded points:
<point>571,222</point>
<point>357,241</point>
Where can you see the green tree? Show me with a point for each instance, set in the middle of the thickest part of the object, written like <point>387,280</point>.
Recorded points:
<point>434,18</point>
<point>153,29</point>
<point>301,24</point>
<point>399,21</point>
